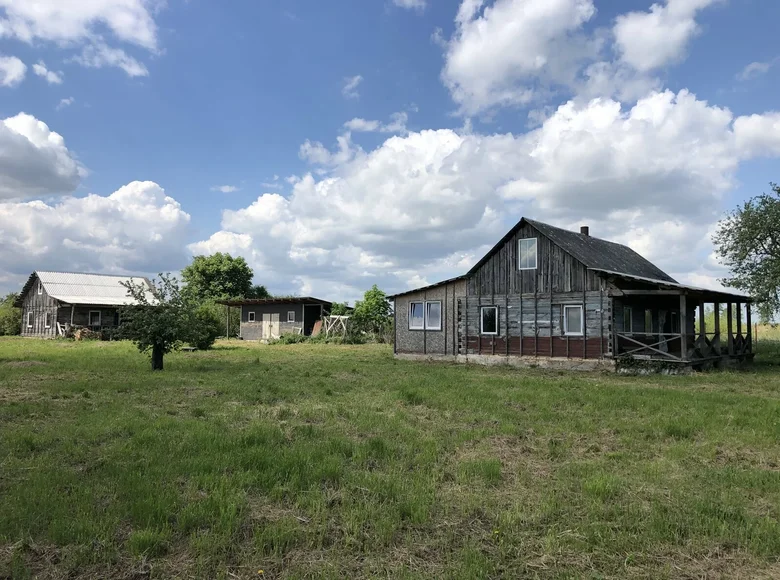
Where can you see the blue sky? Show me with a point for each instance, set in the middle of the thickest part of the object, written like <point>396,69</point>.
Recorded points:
<point>451,128</point>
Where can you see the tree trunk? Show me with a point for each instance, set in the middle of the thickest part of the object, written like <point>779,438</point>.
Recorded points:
<point>157,358</point>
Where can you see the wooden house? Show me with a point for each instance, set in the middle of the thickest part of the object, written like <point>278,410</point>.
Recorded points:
<point>548,296</point>
<point>54,302</point>
<point>269,318</point>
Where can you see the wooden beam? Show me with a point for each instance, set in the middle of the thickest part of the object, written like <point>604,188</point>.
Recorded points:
<point>730,327</point>
<point>550,290</point>
<point>739,319</point>
<point>749,327</point>
<point>649,293</point>
<point>717,319</point>
<point>683,327</point>
<point>584,315</point>
<point>601,316</point>
<point>702,327</point>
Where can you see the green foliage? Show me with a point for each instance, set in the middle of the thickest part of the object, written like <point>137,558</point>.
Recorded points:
<point>10,317</point>
<point>205,326</point>
<point>372,315</point>
<point>160,325</point>
<point>218,276</point>
<point>748,242</point>
<point>339,309</point>
<point>289,338</point>
<point>257,291</point>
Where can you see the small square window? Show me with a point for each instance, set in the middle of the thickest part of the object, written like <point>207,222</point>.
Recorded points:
<point>527,253</point>
<point>628,321</point>
<point>94,317</point>
<point>250,316</point>
<point>433,315</point>
<point>47,320</point>
<point>291,316</point>
<point>416,316</point>
<point>488,323</point>
<point>30,320</point>
<point>572,320</point>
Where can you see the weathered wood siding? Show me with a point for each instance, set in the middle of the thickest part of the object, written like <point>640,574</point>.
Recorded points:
<point>556,270</point>
<point>532,325</point>
<point>39,305</point>
<point>444,341</point>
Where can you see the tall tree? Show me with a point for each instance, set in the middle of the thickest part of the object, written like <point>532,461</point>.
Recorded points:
<point>258,291</point>
<point>157,323</point>
<point>748,242</point>
<point>217,276</point>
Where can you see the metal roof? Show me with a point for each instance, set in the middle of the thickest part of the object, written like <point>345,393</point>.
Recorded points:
<point>676,285</point>
<point>436,285</point>
<point>88,289</point>
<point>286,300</point>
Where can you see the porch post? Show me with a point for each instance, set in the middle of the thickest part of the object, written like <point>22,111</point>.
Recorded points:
<point>730,327</point>
<point>717,320</point>
<point>702,327</point>
<point>739,319</point>
<point>749,328</point>
<point>683,328</point>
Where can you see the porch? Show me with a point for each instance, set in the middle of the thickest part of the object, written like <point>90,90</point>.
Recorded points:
<point>682,325</point>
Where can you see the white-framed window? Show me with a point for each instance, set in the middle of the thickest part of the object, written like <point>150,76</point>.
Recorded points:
<point>425,315</point>
<point>30,320</point>
<point>527,254</point>
<point>47,320</point>
<point>649,321</point>
<point>40,288</point>
<point>291,316</point>
<point>488,320</point>
<point>572,320</point>
<point>628,319</point>
<point>250,316</point>
<point>94,318</point>
<point>433,315</point>
<point>417,316</point>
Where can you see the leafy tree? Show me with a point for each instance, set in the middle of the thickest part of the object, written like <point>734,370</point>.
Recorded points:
<point>205,326</point>
<point>10,316</point>
<point>372,314</point>
<point>339,309</point>
<point>748,242</point>
<point>157,324</point>
<point>218,276</point>
<point>258,291</point>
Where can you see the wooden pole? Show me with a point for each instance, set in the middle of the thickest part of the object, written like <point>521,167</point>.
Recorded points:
<point>730,327</point>
<point>584,314</point>
<point>683,328</point>
<point>739,319</point>
<point>749,328</point>
<point>702,328</point>
<point>601,316</point>
<point>550,290</point>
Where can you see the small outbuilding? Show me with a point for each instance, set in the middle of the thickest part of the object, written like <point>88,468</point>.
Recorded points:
<point>52,303</point>
<point>269,318</point>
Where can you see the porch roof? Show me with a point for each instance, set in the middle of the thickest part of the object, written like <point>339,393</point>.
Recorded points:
<point>674,288</point>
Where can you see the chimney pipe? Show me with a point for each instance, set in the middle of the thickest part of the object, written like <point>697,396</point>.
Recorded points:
<point>585,230</point>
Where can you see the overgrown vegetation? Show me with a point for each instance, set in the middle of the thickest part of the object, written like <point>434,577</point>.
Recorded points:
<point>341,462</point>
<point>10,316</point>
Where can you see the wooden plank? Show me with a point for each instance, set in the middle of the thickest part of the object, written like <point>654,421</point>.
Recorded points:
<point>650,292</point>
<point>584,316</point>
<point>601,315</point>
<point>730,327</point>
<point>683,327</point>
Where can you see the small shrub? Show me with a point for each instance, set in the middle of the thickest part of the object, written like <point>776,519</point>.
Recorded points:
<point>289,339</point>
<point>205,327</point>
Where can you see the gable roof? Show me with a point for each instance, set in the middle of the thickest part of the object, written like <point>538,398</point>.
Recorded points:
<point>80,288</point>
<point>281,300</point>
<point>594,253</point>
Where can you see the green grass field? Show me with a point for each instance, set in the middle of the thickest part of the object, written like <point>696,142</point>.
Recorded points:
<point>328,461</point>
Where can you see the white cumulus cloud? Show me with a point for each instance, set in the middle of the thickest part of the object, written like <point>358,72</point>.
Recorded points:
<point>35,160</point>
<point>410,4</point>
<point>136,229</point>
<point>12,71</point>
<point>349,90</point>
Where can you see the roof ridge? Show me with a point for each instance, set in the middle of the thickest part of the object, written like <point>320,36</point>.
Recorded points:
<point>89,274</point>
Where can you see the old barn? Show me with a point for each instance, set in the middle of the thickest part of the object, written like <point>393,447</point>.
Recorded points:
<point>54,302</point>
<point>545,295</point>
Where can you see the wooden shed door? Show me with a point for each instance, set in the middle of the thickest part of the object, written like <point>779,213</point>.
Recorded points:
<point>271,325</point>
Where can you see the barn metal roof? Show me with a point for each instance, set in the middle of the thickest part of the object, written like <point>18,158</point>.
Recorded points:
<point>90,289</point>
<point>723,295</point>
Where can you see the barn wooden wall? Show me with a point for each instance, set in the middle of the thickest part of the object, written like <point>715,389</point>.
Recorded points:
<point>532,325</point>
<point>39,305</point>
<point>556,270</point>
